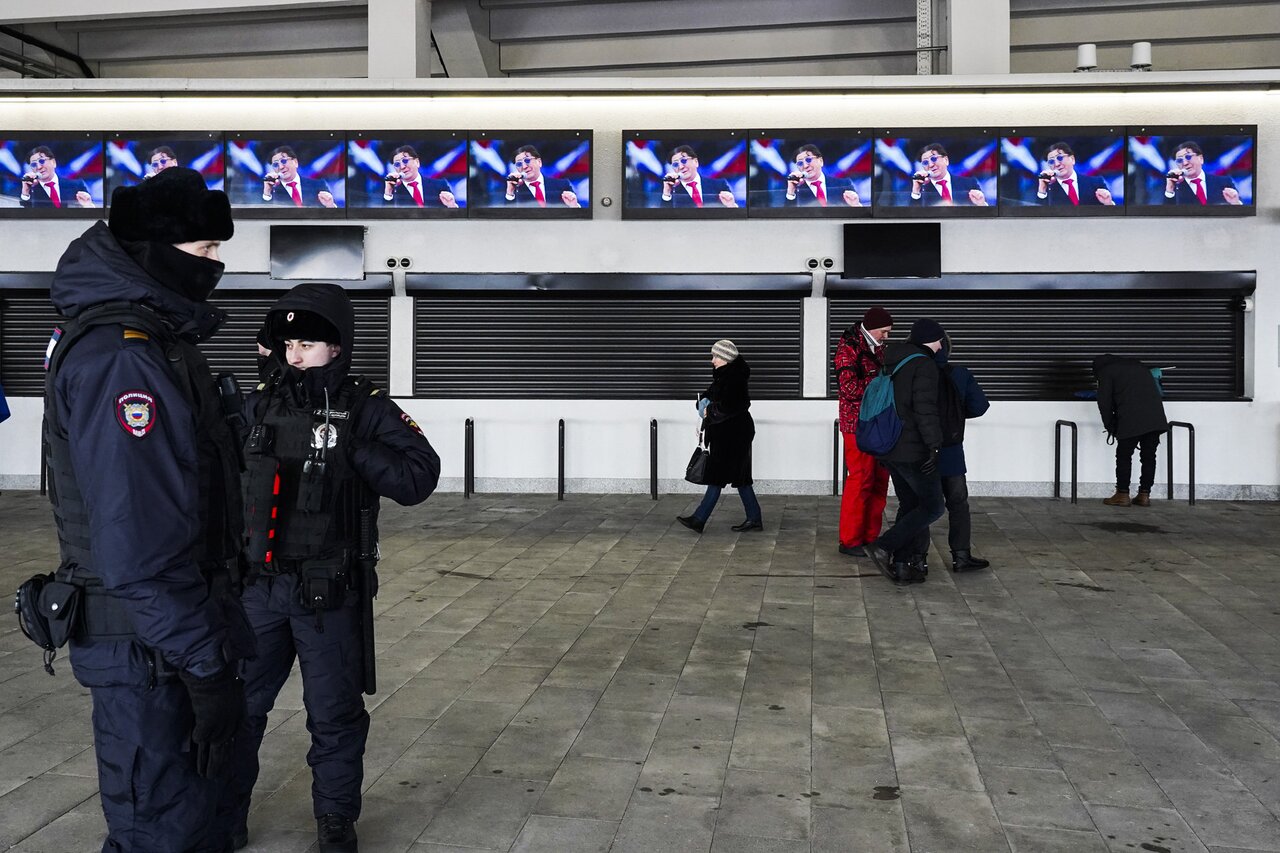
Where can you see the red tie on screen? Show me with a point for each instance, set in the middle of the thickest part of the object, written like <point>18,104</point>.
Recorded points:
<point>822,194</point>
<point>946,193</point>
<point>293,191</point>
<point>57,202</point>
<point>1071,191</point>
<point>537,193</point>
<point>417,193</point>
<point>1204,199</point>
<point>697,194</point>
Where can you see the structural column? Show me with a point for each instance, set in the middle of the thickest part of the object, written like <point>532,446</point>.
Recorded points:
<point>979,35</point>
<point>399,38</point>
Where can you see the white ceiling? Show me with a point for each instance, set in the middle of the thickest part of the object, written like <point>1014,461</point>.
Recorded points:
<point>601,38</point>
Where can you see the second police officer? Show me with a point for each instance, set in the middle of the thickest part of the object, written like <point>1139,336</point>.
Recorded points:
<point>322,446</point>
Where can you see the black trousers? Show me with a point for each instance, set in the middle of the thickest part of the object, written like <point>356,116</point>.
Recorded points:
<point>920,503</point>
<point>955,490</point>
<point>1124,461</point>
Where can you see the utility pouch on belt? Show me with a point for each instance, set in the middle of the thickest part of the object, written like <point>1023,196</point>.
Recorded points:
<point>48,613</point>
<point>323,585</point>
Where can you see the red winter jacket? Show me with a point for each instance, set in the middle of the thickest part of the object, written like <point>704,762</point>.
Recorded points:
<point>856,365</point>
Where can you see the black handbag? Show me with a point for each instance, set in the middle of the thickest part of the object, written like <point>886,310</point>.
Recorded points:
<point>696,471</point>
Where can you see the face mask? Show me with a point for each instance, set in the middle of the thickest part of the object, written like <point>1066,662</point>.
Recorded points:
<point>188,275</point>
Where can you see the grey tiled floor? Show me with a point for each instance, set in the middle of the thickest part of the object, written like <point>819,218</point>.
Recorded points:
<point>590,676</point>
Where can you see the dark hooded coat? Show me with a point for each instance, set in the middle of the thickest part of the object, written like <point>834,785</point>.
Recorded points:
<point>728,425</point>
<point>1128,398</point>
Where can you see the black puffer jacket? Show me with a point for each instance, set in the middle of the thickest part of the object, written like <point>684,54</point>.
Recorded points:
<point>729,426</point>
<point>1128,398</point>
<point>915,393</point>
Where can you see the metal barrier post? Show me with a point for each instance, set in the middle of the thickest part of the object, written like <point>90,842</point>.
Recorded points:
<point>560,465</point>
<point>469,458</point>
<point>653,458</point>
<point>1191,460</point>
<point>1057,459</point>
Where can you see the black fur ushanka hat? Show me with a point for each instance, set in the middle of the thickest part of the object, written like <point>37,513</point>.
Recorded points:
<point>171,206</point>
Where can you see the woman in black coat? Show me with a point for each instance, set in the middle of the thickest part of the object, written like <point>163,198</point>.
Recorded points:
<point>726,419</point>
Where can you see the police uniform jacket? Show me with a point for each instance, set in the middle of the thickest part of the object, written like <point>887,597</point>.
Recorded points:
<point>135,449</point>
<point>385,447</point>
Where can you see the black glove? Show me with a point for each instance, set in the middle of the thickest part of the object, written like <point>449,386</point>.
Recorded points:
<point>217,702</point>
<point>930,464</point>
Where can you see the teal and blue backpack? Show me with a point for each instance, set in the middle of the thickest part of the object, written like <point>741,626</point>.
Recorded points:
<point>878,423</point>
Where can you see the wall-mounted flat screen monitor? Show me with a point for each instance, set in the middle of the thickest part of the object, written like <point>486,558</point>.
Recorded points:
<point>51,174</point>
<point>816,173</point>
<point>893,250</point>
<point>932,172</point>
<point>694,174</point>
<point>1192,171</point>
<point>134,157</point>
<point>287,175</point>
<point>1075,171</point>
<point>407,174</point>
<point>318,252</point>
<point>531,174</point>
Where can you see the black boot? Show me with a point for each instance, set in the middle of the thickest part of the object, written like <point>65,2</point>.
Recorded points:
<point>884,562</point>
<point>902,573</point>
<point>758,524</point>
<point>336,834</point>
<point>693,523</point>
<point>921,565</point>
<point>964,561</point>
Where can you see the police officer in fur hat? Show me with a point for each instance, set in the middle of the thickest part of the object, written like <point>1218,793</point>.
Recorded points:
<point>323,446</point>
<point>146,493</point>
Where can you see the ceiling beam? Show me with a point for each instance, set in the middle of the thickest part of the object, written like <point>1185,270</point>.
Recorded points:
<point>70,10</point>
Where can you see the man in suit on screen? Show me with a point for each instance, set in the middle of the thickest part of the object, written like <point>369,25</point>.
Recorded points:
<point>283,185</point>
<point>405,187</point>
<point>1187,182</point>
<point>808,185</point>
<point>42,187</point>
<point>528,187</point>
<point>683,186</point>
<point>1061,185</point>
<point>935,186</point>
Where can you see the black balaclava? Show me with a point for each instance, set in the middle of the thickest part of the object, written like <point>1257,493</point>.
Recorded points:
<point>191,276</point>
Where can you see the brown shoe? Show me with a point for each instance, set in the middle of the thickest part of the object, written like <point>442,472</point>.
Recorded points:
<point>1143,499</point>
<point>1118,499</point>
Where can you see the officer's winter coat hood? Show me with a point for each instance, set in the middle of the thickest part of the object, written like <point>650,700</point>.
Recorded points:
<point>95,269</point>
<point>332,303</point>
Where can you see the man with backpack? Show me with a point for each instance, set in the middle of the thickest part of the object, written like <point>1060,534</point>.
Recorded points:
<point>859,357</point>
<point>913,458</point>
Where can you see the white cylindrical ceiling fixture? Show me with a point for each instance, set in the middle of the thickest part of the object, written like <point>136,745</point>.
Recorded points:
<point>1141,58</point>
<point>1086,57</point>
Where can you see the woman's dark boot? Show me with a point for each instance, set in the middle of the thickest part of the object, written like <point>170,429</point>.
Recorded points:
<point>692,522</point>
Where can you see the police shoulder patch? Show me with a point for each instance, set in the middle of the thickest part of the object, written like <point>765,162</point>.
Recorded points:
<point>411,422</point>
<point>136,412</point>
<point>135,335</point>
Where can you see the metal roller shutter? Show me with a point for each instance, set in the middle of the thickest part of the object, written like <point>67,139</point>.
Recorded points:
<point>600,347</point>
<point>26,322</point>
<point>1031,346</point>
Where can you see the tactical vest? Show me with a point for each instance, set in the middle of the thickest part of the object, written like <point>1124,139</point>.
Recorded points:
<point>301,496</point>
<point>218,459</point>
